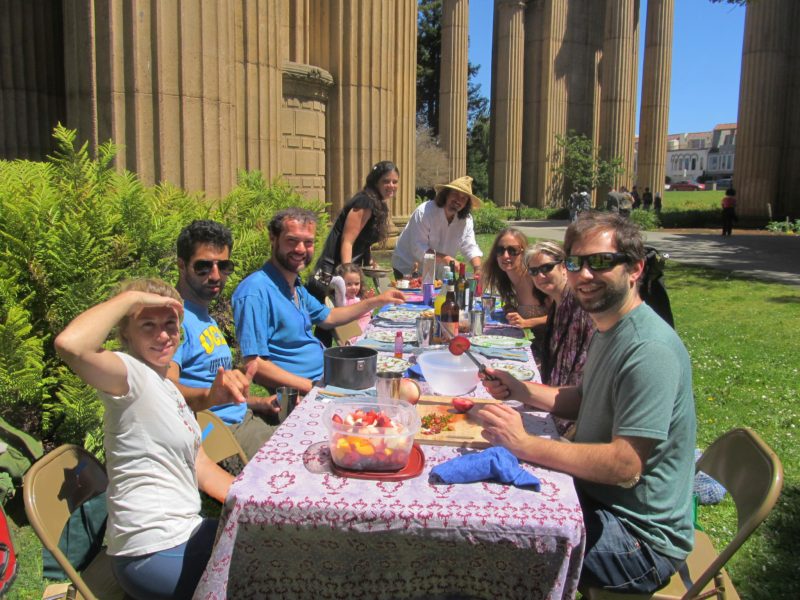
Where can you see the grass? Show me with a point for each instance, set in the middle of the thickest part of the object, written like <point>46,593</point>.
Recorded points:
<point>742,337</point>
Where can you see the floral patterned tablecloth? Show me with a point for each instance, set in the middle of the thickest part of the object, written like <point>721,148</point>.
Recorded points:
<point>291,528</point>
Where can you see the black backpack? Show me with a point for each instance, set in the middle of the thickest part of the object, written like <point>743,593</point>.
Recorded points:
<point>652,289</point>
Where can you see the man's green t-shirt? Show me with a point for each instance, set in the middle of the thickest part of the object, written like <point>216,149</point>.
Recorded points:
<point>637,382</point>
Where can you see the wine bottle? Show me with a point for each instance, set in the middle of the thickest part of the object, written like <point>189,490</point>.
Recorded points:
<point>450,310</point>
<point>461,287</point>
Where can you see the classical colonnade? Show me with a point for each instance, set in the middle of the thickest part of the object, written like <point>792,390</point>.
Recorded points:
<point>315,91</point>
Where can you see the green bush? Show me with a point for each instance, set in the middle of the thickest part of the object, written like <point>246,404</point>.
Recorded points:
<point>687,219</point>
<point>489,218</point>
<point>786,226</point>
<point>71,229</point>
<point>646,219</point>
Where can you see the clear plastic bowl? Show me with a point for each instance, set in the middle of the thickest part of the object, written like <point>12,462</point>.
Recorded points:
<point>368,447</point>
<point>449,375</point>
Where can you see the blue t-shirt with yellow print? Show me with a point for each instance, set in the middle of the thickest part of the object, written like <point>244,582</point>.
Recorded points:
<point>203,351</point>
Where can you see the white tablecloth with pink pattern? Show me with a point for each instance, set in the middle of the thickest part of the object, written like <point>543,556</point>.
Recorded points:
<point>291,528</point>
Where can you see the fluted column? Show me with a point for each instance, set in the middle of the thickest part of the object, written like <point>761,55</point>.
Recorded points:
<point>763,109</point>
<point>654,119</point>
<point>405,107</point>
<point>155,77</point>
<point>259,85</point>
<point>507,101</point>
<point>453,84</point>
<point>31,77</point>
<point>294,31</point>
<point>354,40</point>
<point>617,98</point>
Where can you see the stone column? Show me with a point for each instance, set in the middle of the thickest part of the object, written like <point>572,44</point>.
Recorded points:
<point>354,41</point>
<point>453,84</point>
<point>654,118</point>
<point>294,31</point>
<point>259,85</point>
<point>617,99</point>
<point>155,77</point>
<point>31,77</point>
<point>765,107</point>
<point>405,107</point>
<point>507,80</point>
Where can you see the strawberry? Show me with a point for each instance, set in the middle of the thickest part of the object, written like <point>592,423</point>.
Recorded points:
<point>337,419</point>
<point>462,405</point>
<point>383,421</point>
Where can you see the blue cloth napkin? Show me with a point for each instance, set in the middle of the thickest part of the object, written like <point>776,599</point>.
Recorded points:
<point>493,464</point>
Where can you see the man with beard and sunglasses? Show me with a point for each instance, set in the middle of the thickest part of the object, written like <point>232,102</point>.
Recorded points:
<point>274,313</point>
<point>632,454</point>
<point>202,367</point>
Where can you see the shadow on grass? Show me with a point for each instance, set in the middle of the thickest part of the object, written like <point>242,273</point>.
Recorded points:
<point>776,577</point>
<point>785,299</point>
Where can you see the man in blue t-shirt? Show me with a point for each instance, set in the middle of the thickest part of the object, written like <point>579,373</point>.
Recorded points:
<point>632,456</point>
<point>202,368</point>
<point>274,313</point>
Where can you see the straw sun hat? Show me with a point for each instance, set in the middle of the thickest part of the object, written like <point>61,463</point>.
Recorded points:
<point>463,185</point>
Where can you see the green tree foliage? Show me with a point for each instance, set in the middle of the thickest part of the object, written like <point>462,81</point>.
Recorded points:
<point>73,228</point>
<point>578,165</point>
<point>478,154</point>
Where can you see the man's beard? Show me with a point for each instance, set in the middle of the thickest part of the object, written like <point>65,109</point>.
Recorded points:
<point>284,261</point>
<point>613,296</point>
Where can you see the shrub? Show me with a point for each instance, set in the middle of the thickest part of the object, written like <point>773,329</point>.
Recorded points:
<point>646,219</point>
<point>489,218</point>
<point>71,229</point>
<point>786,226</point>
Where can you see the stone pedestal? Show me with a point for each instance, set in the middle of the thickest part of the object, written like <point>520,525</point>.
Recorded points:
<point>654,119</point>
<point>453,85</point>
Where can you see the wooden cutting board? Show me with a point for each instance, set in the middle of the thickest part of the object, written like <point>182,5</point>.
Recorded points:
<point>466,428</point>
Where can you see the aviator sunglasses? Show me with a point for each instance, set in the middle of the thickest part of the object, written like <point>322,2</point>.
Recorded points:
<point>202,268</point>
<point>512,250</point>
<point>602,261</point>
<point>544,269</point>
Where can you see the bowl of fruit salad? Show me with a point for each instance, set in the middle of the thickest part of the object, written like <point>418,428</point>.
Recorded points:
<point>367,435</point>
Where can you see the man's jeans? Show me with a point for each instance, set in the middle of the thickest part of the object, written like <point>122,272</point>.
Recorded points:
<point>616,560</point>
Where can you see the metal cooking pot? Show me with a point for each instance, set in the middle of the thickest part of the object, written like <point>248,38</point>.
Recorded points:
<point>351,367</point>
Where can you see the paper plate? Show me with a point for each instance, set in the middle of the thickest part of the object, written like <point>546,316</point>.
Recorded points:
<point>520,371</point>
<point>392,364</point>
<point>387,335</point>
<point>498,341</point>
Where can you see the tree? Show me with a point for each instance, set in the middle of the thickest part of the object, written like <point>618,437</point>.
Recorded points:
<point>577,161</point>
<point>429,58</point>
<point>478,153</point>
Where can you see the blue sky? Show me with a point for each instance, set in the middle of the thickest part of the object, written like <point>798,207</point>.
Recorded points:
<point>706,60</point>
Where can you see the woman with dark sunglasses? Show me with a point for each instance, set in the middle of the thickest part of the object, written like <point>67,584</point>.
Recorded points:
<point>569,328</point>
<point>506,274</point>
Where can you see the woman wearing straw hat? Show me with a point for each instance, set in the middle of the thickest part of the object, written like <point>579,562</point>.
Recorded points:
<point>443,225</point>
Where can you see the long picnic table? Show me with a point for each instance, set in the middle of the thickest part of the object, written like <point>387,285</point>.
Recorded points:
<point>292,528</point>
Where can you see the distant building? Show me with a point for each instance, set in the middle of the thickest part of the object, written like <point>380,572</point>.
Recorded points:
<point>705,153</point>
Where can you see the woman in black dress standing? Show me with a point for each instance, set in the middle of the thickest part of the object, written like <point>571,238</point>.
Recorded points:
<point>364,221</point>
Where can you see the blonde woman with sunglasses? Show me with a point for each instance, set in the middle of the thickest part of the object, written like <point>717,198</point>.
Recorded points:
<point>569,328</point>
<point>506,274</point>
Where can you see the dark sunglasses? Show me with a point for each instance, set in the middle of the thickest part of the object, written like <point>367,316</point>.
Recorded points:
<point>544,269</point>
<point>602,261</point>
<point>512,250</point>
<point>202,268</point>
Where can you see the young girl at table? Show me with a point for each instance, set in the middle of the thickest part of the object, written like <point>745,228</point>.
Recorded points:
<point>158,542</point>
<point>347,285</point>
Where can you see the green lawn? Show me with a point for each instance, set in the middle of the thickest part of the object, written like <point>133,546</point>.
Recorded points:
<point>742,337</point>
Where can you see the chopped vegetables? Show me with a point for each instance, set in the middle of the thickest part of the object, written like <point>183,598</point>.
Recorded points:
<point>436,423</point>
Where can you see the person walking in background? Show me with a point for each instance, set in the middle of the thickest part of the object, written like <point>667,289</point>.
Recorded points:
<point>728,211</point>
<point>364,221</point>
<point>637,201</point>
<point>657,204</point>
<point>647,199</point>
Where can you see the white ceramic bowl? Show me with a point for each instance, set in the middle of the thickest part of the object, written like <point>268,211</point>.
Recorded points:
<point>449,375</point>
